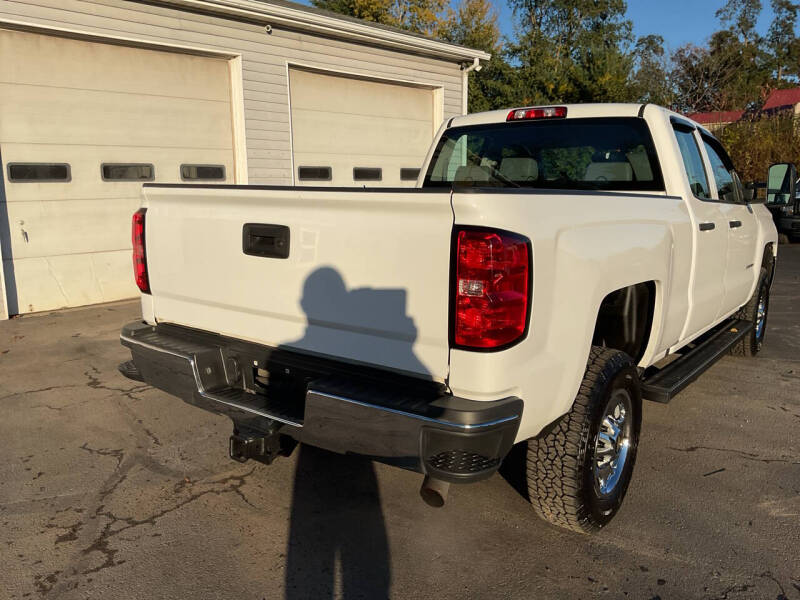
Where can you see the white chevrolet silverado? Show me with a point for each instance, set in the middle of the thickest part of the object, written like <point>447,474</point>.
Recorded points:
<point>553,267</point>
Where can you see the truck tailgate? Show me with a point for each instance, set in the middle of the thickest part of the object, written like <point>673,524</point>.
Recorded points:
<point>366,278</point>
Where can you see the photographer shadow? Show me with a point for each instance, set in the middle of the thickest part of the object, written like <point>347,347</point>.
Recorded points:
<point>338,544</point>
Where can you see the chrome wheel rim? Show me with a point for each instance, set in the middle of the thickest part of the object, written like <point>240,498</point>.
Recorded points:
<point>761,314</point>
<point>613,442</point>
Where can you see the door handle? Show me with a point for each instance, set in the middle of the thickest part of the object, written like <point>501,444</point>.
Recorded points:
<point>269,241</point>
<point>707,226</point>
<point>734,224</point>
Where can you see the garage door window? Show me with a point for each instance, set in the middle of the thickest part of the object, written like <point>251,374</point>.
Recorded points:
<point>38,172</point>
<point>314,173</point>
<point>203,172</point>
<point>128,172</point>
<point>409,174</point>
<point>367,173</point>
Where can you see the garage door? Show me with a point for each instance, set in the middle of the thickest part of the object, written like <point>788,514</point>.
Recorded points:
<point>82,125</point>
<point>348,131</point>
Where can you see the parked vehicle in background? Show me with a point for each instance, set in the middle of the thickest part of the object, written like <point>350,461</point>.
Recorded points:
<point>783,201</point>
<point>525,293</point>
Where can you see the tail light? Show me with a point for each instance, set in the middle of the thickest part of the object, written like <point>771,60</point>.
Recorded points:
<point>139,255</point>
<point>548,112</point>
<point>491,289</point>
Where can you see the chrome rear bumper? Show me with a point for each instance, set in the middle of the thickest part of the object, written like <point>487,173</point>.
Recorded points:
<point>400,420</point>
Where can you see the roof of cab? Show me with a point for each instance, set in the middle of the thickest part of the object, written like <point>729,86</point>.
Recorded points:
<point>576,111</point>
<point>573,111</point>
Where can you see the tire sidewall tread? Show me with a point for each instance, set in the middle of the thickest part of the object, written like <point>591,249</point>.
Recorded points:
<point>560,468</point>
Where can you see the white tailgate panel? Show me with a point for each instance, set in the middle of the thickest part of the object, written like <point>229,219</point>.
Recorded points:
<point>366,279</point>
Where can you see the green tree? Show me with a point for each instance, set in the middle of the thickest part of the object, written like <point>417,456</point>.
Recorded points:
<point>473,23</point>
<point>740,16</point>
<point>783,43</point>
<point>571,50</point>
<point>733,72</point>
<point>651,81</point>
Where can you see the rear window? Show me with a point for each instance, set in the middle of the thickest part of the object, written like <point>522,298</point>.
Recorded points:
<point>570,154</point>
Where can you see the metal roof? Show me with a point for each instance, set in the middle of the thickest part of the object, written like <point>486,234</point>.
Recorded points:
<point>300,16</point>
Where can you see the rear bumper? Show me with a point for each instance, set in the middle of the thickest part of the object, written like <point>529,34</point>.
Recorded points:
<point>346,409</point>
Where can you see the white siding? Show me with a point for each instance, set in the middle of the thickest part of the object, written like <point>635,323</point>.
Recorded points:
<point>264,58</point>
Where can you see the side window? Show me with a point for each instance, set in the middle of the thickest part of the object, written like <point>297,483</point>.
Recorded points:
<point>722,169</point>
<point>693,162</point>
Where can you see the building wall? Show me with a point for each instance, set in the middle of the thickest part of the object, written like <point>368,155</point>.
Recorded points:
<point>264,62</point>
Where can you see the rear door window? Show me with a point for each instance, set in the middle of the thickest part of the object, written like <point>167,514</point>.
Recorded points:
<point>693,162</point>
<point>723,172</point>
<point>570,154</point>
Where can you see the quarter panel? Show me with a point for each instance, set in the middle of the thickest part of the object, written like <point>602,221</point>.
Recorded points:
<point>584,247</point>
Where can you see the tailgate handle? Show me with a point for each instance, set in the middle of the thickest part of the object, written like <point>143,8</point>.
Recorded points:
<point>269,241</point>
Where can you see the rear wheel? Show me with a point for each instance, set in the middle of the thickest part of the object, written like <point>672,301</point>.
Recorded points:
<point>579,470</point>
<point>756,311</point>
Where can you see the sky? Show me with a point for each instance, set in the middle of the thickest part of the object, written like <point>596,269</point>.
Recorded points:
<point>677,21</point>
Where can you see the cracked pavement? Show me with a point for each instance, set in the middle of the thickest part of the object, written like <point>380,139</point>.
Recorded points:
<point>111,489</point>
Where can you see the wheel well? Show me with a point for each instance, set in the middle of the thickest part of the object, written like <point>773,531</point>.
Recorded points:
<point>625,319</point>
<point>768,262</point>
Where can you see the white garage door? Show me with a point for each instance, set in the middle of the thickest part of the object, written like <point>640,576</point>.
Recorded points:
<point>348,131</point>
<point>82,125</point>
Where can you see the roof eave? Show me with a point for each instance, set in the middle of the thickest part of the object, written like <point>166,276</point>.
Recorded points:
<point>327,25</point>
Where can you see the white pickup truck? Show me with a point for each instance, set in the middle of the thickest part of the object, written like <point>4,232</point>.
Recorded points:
<point>529,290</point>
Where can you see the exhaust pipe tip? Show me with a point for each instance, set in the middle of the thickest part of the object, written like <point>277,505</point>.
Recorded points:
<point>434,491</point>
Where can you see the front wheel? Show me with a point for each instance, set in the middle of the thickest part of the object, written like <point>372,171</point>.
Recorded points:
<point>579,470</point>
<point>756,311</point>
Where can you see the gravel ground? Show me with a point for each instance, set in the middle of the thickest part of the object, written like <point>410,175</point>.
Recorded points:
<point>110,489</point>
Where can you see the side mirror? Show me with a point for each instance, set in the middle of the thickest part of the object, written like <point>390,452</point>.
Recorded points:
<point>749,193</point>
<point>781,183</point>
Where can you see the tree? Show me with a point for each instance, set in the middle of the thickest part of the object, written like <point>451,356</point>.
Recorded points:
<point>419,16</point>
<point>701,79</point>
<point>733,72</point>
<point>651,78</point>
<point>741,16</point>
<point>473,23</point>
<point>571,50</point>
<point>376,11</point>
<point>784,45</point>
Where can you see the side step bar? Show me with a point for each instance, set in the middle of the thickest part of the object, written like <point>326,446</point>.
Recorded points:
<point>663,384</point>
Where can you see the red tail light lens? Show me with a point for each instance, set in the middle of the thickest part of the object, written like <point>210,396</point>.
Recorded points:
<point>548,112</point>
<point>139,256</point>
<point>491,295</point>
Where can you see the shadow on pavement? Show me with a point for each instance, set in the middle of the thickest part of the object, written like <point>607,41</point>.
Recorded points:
<point>337,531</point>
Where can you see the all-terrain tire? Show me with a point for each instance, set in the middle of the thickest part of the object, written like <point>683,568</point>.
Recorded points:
<point>750,345</point>
<point>561,461</point>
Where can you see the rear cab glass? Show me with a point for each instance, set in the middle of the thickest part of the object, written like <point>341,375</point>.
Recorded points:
<point>615,153</point>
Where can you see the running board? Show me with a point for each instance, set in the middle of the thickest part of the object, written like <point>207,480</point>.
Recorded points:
<point>663,384</point>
